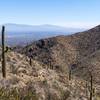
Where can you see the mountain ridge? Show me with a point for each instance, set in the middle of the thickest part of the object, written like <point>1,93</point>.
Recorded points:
<point>64,51</point>
<point>44,27</point>
<point>19,34</point>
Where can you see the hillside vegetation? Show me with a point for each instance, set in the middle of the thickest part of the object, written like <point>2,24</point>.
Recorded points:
<point>61,68</point>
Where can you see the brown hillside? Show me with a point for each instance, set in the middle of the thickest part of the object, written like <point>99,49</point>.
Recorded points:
<point>62,52</point>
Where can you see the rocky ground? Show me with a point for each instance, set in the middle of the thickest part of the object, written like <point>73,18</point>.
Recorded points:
<point>48,84</point>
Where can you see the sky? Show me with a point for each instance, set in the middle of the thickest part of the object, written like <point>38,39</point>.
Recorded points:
<point>68,13</point>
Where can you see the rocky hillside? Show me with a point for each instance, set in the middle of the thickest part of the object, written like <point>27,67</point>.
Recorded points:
<point>52,61</point>
<point>64,52</point>
<point>45,83</point>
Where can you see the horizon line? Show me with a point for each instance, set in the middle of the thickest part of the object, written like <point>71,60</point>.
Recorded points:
<point>71,25</point>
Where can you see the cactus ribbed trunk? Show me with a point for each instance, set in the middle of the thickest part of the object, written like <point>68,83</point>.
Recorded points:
<point>3,53</point>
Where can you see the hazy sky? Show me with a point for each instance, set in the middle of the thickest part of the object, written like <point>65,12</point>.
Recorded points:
<point>72,13</point>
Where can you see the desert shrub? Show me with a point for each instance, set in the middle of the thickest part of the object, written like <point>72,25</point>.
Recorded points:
<point>13,69</point>
<point>65,95</point>
<point>16,94</point>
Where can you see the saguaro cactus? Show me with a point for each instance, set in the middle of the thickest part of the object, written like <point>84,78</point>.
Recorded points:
<point>91,86</point>
<point>70,73</point>
<point>30,56</point>
<point>30,61</point>
<point>3,53</point>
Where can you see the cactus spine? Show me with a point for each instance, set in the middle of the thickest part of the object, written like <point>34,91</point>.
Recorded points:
<point>3,53</point>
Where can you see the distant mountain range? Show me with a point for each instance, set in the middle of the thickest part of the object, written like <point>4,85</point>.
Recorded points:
<point>21,34</point>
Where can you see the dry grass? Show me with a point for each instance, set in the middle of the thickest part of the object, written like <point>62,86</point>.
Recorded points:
<point>15,94</point>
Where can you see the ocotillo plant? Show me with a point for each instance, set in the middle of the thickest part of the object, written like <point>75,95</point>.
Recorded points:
<point>3,53</point>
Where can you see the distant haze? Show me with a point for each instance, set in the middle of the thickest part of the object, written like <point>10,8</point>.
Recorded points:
<point>17,34</point>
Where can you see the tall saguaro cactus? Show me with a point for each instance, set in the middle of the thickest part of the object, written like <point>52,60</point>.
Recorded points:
<point>30,61</point>
<point>70,72</point>
<point>91,87</point>
<point>30,56</point>
<point>3,53</point>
